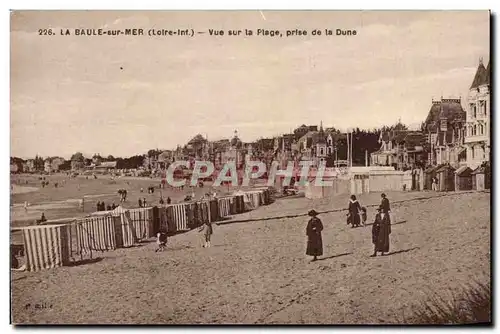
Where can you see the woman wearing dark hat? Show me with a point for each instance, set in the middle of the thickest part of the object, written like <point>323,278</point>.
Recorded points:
<point>380,232</point>
<point>314,239</point>
<point>353,216</point>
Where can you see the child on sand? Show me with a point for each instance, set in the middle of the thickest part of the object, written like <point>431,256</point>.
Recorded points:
<point>161,240</point>
<point>363,216</point>
<point>207,233</point>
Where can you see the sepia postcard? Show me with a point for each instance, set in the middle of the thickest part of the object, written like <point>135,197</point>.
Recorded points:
<point>250,167</point>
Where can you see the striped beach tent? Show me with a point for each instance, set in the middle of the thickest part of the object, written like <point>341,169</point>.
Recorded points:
<point>202,213</point>
<point>224,206</point>
<point>143,222</point>
<point>191,215</point>
<point>126,236</point>
<point>213,207</point>
<point>46,246</point>
<point>166,221</point>
<point>255,198</point>
<point>177,213</point>
<point>239,204</point>
<point>96,233</point>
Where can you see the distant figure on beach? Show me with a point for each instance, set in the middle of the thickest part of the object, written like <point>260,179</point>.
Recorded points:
<point>161,241</point>
<point>142,190</point>
<point>381,230</point>
<point>98,206</point>
<point>434,183</point>
<point>42,219</point>
<point>140,203</point>
<point>162,201</point>
<point>26,206</point>
<point>169,200</point>
<point>314,238</point>
<point>113,206</point>
<point>207,233</point>
<point>144,202</point>
<point>385,205</point>
<point>364,216</point>
<point>353,215</point>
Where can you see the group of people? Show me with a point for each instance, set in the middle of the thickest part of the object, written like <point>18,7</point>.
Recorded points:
<point>206,229</point>
<point>101,206</point>
<point>163,201</point>
<point>381,228</point>
<point>142,202</point>
<point>123,195</point>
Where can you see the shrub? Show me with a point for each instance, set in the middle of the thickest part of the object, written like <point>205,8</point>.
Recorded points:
<point>473,306</point>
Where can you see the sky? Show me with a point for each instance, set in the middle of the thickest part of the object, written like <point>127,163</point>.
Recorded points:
<point>124,95</point>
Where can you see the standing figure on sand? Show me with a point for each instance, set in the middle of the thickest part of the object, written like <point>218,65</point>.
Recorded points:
<point>314,238</point>
<point>354,212</point>
<point>207,233</point>
<point>381,230</point>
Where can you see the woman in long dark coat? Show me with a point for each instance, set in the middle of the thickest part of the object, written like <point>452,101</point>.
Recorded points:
<point>353,216</point>
<point>380,232</point>
<point>314,239</point>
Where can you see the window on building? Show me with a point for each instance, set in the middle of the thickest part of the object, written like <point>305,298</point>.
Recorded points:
<point>474,111</point>
<point>444,125</point>
<point>321,152</point>
<point>485,108</point>
<point>472,152</point>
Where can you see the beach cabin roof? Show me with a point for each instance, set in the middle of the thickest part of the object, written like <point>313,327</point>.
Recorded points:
<point>463,171</point>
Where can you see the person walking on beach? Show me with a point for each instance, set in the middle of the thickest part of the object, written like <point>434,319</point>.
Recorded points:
<point>169,200</point>
<point>314,238</point>
<point>353,215</point>
<point>381,230</point>
<point>161,241</point>
<point>140,202</point>
<point>207,233</point>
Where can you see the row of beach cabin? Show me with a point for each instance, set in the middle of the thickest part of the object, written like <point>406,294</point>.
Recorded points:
<point>462,178</point>
<point>75,240</point>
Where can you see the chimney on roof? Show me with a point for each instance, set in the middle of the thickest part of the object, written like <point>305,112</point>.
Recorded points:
<point>481,61</point>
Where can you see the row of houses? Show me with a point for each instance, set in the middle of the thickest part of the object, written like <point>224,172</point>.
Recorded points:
<point>48,165</point>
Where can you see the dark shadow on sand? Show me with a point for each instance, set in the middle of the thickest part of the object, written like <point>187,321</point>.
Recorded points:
<point>399,222</point>
<point>86,261</point>
<point>402,251</point>
<point>333,256</point>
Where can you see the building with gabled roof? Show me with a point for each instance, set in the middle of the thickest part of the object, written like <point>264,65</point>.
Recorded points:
<point>477,134</point>
<point>445,129</point>
<point>403,149</point>
<point>318,146</point>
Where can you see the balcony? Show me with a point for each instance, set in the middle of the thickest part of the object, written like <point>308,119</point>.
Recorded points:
<point>476,139</point>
